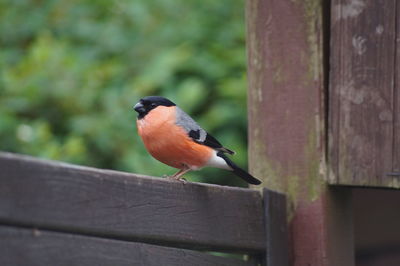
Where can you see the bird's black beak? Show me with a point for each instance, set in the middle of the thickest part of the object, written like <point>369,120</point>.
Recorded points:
<point>139,108</point>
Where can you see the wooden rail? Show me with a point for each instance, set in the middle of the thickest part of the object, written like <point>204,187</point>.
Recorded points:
<point>55,212</point>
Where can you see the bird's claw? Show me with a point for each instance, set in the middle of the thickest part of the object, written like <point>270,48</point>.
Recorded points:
<point>173,178</point>
<point>182,180</point>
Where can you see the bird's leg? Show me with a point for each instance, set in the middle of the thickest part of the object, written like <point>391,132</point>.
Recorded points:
<point>178,175</point>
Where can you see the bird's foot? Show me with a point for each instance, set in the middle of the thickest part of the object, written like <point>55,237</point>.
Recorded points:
<point>182,180</point>
<point>174,178</point>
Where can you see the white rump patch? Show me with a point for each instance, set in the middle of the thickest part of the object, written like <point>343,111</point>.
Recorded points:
<point>218,162</point>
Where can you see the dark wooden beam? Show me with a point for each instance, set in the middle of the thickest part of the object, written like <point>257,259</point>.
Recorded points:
<point>23,246</point>
<point>277,247</point>
<point>63,197</point>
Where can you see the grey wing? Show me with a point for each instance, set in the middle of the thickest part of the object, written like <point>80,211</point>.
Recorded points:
<point>198,134</point>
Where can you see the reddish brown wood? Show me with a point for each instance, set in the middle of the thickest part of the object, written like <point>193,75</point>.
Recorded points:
<point>286,125</point>
<point>324,228</point>
<point>285,96</point>
<point>361,92</point>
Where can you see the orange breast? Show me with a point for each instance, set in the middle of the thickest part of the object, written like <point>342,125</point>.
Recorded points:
<point>170,143</point>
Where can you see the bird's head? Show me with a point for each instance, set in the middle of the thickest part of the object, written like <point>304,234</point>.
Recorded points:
<point>146,104</point>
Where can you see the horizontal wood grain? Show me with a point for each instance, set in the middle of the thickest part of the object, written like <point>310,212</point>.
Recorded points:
<point>23,246</point>
<point>63,197</point>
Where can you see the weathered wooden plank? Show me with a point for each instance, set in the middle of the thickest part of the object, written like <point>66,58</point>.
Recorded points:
<point>277,246</point>
<point>107,203</point>
<point>21,247</point>
<point>361,92</point>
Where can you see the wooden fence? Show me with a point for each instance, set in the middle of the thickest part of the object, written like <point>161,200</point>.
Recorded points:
<point>53,213</point>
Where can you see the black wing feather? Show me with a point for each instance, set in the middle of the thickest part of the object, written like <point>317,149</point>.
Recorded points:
<point>198,134</point>
<point>209,141</point>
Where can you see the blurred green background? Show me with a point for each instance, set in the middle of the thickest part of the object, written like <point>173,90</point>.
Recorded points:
<point>71,71</point>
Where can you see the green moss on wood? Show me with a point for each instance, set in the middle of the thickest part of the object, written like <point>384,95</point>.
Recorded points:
<point>262,166</point>
<point>313,17</point>
<point>315,163</point>
<point>394,183</point>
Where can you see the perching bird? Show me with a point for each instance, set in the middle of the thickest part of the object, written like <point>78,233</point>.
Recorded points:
<point>174,138</point>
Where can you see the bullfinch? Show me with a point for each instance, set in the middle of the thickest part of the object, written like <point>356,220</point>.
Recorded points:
<point>174,138</point>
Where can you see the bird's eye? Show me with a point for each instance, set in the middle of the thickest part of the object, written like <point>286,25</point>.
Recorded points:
<point>153,105</point>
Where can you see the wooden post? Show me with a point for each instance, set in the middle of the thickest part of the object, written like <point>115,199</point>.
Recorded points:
<point>275,229</point>
<point>287,112</point>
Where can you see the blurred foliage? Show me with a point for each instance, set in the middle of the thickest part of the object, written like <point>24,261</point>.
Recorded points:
<point>71,70</point>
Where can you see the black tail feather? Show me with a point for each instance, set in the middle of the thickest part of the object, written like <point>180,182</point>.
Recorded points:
<point>231,152</point>
<point>246,176</point>
<point>239,171</point>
